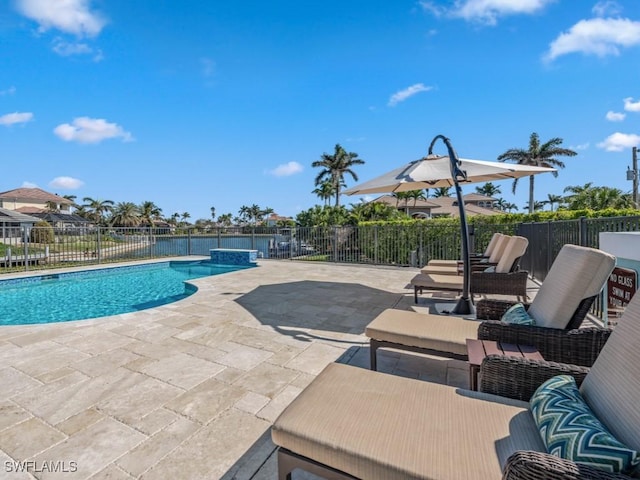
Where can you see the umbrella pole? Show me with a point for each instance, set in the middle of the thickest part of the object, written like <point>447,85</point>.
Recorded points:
<point>464,305</point>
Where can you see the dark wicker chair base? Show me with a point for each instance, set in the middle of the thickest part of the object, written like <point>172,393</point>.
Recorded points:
<point>289,461</point>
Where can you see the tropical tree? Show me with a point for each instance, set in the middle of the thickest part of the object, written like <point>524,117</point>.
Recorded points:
<point>52,206</point>
<point>488,189</point>
<point>185,216</point>
<point>537,206</point>
<point>441,192</point>
<point>325,190</point>
<point>416,195</point>
<point>374,211</point>
<point>73,199</point>
<point>225,219</point>
<point>537,155</point>
<point>125,214</point>
<point>553,200</point>
<point>335,166</point>
<point>213,213</point>
<point>149,212</point>
<point>596,198</point>
<point>318,216</point>
<point>97,209</point>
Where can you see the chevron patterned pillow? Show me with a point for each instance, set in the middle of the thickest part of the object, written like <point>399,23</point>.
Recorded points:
<point>570,430</point>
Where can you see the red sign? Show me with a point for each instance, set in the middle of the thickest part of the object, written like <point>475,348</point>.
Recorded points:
<point>622,284</point>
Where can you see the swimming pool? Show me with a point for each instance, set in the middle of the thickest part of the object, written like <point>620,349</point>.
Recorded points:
<point>63,297</point>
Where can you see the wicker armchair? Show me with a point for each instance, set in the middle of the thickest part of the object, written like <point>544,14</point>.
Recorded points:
<point>526,465</point>
<point>572,345</point>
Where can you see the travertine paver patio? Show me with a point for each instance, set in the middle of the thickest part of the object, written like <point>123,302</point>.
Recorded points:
<point>190,390</point>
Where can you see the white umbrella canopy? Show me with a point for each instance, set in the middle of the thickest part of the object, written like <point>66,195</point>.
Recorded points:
<point>434,171</point>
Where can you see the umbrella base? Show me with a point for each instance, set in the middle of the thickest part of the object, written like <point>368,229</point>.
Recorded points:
<point>464,306</point>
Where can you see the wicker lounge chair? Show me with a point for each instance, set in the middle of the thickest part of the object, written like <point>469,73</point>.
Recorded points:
<point>354,423</point>
<point>504,280</point>
<point>489,257</point>
<point>575,279</point>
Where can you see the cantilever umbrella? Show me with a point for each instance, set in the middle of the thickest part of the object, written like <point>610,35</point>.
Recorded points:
<point>435,171</point>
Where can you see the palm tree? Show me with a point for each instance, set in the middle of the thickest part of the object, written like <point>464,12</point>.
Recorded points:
<point>510,207</point>
<point>225,219</point>
<point>334,168</point>
<point>488,189</point>
<point>402,196</point>
<point>537,206</point>
<point>325,190</point>
<point>52,206</point>
<point>97,208</point>
<point>578,195</point>
<point>597,198</point>
<point>539,156</point>
<point>125,214</point>
<point>149,212</point>
<point>553,199</point>
<point>442,192</point>
<point>244,214</point>
<point>213,213</point>
<point>185,216</point>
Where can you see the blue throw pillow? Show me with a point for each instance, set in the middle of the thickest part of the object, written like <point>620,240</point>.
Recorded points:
<point>570,430</point>
<point>517,314</point>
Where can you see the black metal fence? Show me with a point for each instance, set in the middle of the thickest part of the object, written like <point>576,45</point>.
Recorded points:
<point>402,245</point>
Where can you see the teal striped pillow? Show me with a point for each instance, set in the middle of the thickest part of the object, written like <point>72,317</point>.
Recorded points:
<point>570,430</point>
<point>517,314</point>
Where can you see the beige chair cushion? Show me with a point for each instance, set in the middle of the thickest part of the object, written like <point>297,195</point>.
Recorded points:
<point>454,263</point>
<point>516,246</point>
<point>434,332</point>
<point>576,273</point>
<point>438,282</point>
<point>612,387</point>
<point>501,244</point>
<point>441,269</point>
<point>378,426</point>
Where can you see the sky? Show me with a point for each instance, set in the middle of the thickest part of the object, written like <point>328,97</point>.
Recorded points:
<point>194,104</point>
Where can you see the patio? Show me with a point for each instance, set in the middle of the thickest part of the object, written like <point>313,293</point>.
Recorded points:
<point>190,390</point>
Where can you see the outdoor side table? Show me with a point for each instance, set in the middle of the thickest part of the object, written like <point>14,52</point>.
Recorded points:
<point>479,349</point>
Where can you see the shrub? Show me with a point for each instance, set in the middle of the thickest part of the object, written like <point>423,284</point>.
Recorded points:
<point>42,232</point>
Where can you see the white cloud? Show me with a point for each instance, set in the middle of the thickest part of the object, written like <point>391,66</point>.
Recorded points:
<point>68,183</point>
<point>286,169</point>
<point>486,11</point>
<point>402,95</point>
<point>582,146</point>
<point>8,91</point>
<point>70,16</point>
<point>618,142</point>
<point>596,36</point>
<point>17,117</point>
<point>606,8</point>
<point>630,105</point>
<point>615,116</point>
<point>66,49</point>
<point>91,130</point>
<point>26,184</point>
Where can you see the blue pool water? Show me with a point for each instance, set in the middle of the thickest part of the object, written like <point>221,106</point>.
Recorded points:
<point>98,293</point>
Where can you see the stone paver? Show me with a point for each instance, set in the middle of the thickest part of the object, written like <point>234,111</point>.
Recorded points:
<point>189,390</point>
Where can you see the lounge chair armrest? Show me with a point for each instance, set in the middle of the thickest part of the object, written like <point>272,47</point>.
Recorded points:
<point>512,283</point>
<point>490,309</point>
<point>528,465</point>
<point>580,346</point>
<point>518,378</point>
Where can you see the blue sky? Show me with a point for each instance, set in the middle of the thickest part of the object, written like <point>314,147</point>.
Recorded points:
<point>196,104</point>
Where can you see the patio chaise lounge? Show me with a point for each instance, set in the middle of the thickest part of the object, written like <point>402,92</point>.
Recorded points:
<point>491,256</point>
<point>354,423</point>
<point>505,278</point>
<point>563,300</point>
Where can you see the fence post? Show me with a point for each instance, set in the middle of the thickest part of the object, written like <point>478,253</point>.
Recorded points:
<point>549,247</point>
<point>335,244</point>
<point>25,243</point>
<point>188,241</point>
<point>583,231</point>
<point>375,244</point>
<point>253,237</point>
<point>219,237</point>
<point>99,247</point>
